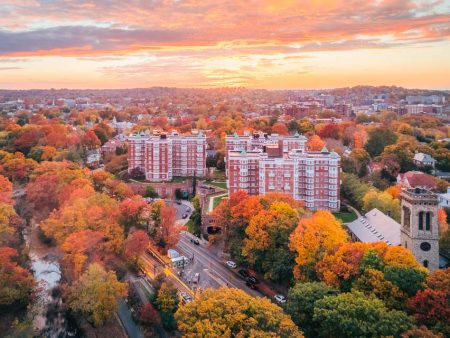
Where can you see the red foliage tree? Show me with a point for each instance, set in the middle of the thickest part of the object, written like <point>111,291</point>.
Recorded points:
<point>148,315</point>
<point>136,244</point>
<point>430,307</point>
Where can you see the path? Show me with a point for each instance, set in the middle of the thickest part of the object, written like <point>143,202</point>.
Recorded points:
<point>358,214</point>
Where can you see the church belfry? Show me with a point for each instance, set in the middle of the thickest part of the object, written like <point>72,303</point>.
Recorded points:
<point>419,226</point>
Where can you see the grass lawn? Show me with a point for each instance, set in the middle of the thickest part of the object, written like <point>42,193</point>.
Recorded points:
<point>217,200</point>
<point>345,217</point>
<point>222,185</point>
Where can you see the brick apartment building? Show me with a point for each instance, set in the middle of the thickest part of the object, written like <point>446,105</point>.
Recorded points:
<point>161,156</point>
<point>260,163</point>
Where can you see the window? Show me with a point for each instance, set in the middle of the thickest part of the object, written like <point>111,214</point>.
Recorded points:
<point>425,263</point>
<point>428,221</point>
<point>421,220</point>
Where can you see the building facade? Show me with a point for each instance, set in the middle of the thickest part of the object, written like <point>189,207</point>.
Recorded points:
<point>162,156</point>
<point>260,165</point>
<point>419,226</point>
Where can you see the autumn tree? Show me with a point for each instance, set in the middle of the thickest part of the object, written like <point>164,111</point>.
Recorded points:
<point>280,128</point>
<point>382,201</point>
<point>431,308</point>
<point>97,212</point>
<point>169,232</point>
<point>16,283</point>
<point>77,247</point>
<point>439,280</point>
<point>266,243</point>
<point>96,294</point>
<point>232,313</point>
<point>167,303</point>
<point>300,304</point>
<point>132,211</point>
<point>148,316</point>
<point>372,282</point>
<point>315,143</point>
<point>135,244</point>
<point>363,316</point>
<point>312,238</point>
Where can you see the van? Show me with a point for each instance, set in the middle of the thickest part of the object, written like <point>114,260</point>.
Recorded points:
<point>196,278</point>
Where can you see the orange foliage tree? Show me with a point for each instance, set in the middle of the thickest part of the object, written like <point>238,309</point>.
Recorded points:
<point>315,143</point>
<point>312,238</point>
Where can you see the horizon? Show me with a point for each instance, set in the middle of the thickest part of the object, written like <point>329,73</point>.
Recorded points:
<point>230,87</point>
<point>275,45</point>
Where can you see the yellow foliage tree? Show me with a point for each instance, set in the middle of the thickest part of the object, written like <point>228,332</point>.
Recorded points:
<point>232,313</point>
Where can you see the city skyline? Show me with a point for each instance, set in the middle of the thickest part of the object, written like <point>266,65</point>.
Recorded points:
<point>260,44</point>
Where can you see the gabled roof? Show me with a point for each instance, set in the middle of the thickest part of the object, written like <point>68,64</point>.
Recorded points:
<point>419,179</point>
<point>421,157</point>
<point>376,226</point>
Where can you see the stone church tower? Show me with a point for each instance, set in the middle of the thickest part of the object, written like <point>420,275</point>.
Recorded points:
<point>419,226</point>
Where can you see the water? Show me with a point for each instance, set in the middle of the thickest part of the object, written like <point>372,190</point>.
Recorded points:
<point>48,312</point>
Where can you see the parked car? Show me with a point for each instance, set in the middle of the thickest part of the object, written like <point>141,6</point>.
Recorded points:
<point>185,216</point>
<point>196,278</point>
<point>252,280</point>
<point>188,209</point>
<point>178,202</point>
<point>185,298</point>
<point>231,264</point>
<point>243,273</point>
<point>195,241</point>
<point>280,298</point>
<point>251,285</point>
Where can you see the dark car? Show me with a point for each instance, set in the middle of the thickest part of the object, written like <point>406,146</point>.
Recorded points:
<point>178,202</point>
<point>185,216</point>
<point>243,273</point>
<point>195,241</point>
<point>251,285</point>
<point>252,280</point>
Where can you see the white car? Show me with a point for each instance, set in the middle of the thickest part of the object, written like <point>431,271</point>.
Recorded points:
<point>232,264</point>
<point>280,298</point>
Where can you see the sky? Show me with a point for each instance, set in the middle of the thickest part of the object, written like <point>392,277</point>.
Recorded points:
<point>279,44</point>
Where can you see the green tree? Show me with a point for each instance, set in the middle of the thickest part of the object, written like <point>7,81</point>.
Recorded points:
<point>232,313</point>
<point>150,192</point>
<point>300,304</point>
<point>409,280</point>
<point>355,314</point>
<point>96,294</point>
<point>378,139</point>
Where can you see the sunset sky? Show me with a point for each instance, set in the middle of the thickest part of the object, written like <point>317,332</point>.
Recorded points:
<point>257,44</point>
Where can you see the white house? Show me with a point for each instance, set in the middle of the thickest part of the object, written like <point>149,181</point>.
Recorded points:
<point>422,159</point>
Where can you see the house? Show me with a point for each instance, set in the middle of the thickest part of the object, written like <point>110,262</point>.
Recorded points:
<point>375,226</point>
<point>110,147</point>
<point>93,157</point>
<point>444,199</point>
<point>417,179</point>
<point>374,166</point>
<point>421,160</point>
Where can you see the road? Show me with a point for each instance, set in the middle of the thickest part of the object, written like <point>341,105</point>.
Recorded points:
<point>212,265</point>
<point>130,326</point>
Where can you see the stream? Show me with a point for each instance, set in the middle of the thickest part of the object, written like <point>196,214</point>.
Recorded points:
<point>48,312</point>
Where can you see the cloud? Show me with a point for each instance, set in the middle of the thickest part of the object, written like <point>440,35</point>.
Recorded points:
<point>83,40</point>
<point>65,28</point>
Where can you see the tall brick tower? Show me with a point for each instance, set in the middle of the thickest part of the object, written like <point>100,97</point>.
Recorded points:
<point>419,231</point>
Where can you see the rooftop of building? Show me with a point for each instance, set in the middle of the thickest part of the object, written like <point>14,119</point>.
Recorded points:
<point>376,226</point>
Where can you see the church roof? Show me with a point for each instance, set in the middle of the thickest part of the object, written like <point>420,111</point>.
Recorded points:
<point>376,226</point>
